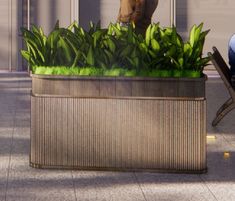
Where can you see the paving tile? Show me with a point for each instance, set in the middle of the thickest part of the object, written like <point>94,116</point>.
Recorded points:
<point>5,146</point>
<point>7,104</point>
<point>4,161</point>
<point>6,84</point>
<point>230,138</point>
<point>102,186</point>
<point>5,123</point>
<point>7,99</point>
<point>220,178</point>
<point>23,131</point>
<point>171,187</point>
<point>26,183</point>
<point>5,150</point>
<point>216,94</point>
<point>21,146</point>
<point>224,191</point>
<point>22,121</point>
<point>25,83</point>
<point>9,93</point>
<point>219,144</point>
<point>44,187</point>
<point>5,141</point>
<point>5,132</point>
<point>23,103</point>
<point>221,181</point>
<point>225,126</point>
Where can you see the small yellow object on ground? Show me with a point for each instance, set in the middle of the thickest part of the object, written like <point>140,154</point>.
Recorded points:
<point>211,137</point>
<point>226,155</point>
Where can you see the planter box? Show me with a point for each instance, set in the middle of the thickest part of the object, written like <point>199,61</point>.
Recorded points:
<point>156,124</point>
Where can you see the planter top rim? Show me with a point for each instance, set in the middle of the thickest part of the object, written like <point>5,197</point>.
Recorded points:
<point>121,97</point>
<point>64,77</point>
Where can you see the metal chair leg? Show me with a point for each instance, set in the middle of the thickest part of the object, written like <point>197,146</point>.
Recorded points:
<point>222,114</point>
<point>226,104</point>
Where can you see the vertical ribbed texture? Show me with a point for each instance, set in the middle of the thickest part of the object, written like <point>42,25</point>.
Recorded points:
<point>119,133</point>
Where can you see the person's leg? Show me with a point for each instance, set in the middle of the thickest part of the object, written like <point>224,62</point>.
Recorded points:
<point>138,11</point>
<point>231,54</point>
<point>145,21</point>
<point>150,7</point>
<point>126,10</point>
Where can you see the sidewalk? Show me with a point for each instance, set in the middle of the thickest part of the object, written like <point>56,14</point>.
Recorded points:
<point>19,182</point>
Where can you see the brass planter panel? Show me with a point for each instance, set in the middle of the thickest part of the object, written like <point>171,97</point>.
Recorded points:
<point>118,133</point>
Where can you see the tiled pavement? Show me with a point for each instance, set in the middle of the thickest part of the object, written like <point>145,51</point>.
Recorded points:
<point>19,182</point>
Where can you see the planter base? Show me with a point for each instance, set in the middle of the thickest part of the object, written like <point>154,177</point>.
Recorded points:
<point>127,134</point>
<point>203,171</point>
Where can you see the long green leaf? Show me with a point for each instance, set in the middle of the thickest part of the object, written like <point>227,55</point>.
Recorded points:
<point>34,49</point>
<point>116,30</point>
<point>66,50</point>
<point>198,32</point>
<point>126,51</point>
<point>148,35</point>
<point>90,57</point>
<point>111,45</point>
<point>109,55</point>
<point>154,31</point>
<point>97,36</point>
<point>192,35</point>
<point>155,45</point>
<point>188,49</point>
<point>26,55</point>
<point>76,51</point>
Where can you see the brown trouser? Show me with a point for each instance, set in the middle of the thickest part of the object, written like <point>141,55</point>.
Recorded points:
<point>138,11</point>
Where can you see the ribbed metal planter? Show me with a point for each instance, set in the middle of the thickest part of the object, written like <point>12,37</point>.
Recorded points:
<point>123,131</point>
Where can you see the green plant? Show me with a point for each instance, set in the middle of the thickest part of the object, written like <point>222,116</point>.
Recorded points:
<point>115,51</point>
<point>167,49</point>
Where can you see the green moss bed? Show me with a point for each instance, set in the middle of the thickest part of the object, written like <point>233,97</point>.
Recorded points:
<point>115,72</point>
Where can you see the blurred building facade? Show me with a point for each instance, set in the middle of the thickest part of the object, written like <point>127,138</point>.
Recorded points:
<point>217,15</point>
